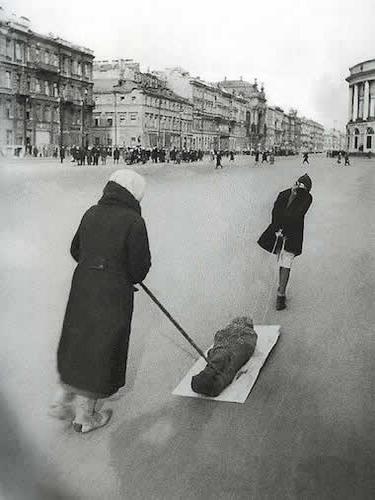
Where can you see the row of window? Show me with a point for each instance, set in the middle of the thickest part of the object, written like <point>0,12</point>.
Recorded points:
<point>41,113</point>
<point>164,103</point>
<point>23,52</point>
<point>166,122</point>
<point>38,86</point>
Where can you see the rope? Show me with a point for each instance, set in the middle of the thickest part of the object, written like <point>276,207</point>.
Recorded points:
<point>279,234</point>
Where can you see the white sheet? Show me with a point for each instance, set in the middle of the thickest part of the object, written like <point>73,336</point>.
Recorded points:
<point>239,389</point>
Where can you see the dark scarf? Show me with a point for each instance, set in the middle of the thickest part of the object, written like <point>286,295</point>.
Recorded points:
<point>114,194</point>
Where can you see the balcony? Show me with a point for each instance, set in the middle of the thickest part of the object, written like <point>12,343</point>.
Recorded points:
<point>44,67</point>
<point>69,97</point>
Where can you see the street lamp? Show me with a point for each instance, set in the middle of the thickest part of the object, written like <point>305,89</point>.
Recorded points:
<point>115,106</point>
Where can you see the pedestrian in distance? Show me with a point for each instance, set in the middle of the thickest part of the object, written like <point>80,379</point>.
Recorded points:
<point>272,158</point>
<point>112,252</point>
<point>103,155</point>
<point>347,161</point>
<point>62,154</point>
<point>284,236</point>
<point>306,158</point>
<point>339,157</point>
<point>218,160</point>
<point>257,156</point>
<point>231,156</point>
<point>265,157</point>
<point>116,155</point>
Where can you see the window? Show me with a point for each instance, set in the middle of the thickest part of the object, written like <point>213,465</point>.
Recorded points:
<point>47,114</point>
<point>47,89</point>
<point>122,118</point>
<point>38,112</point>
<point>55,90</point>
<point>8,79</point>
<point>19,109</point>
<point>369,141</point>
<point>361,97</point>
<point>3,47</point>
<point>9,137</point>
<point>122,98</point>
<point>37,54</point>
<point>37,86</point>
<point>8,49</point>
<point>9,109</point>
<point>133,98</point>
<point>47,57</point>
<point>110,122</point>
<point>97,141</point>
<point>79,68</point>
<point>96,122</point>
<point>18,52</point>
<point>133,116</point>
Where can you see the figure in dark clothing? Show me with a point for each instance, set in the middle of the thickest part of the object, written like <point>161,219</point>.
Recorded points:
<point>256,156</point>
<point>306,158</point>
<point>218,160</point>
<point>116,155</point>
<point>284,236</point>
<point>112,253</point>
<point>231,156</point>
<point>339,157</point>
<point>62,154</point>
<point>265,157</point>
<point>347,161</point>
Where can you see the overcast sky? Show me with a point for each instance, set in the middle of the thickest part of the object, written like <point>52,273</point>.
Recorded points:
<point>300,49</point>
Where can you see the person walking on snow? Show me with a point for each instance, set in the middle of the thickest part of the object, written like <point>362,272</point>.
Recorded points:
<point>112,252</point>
<point>284,236</point>
<point>218,160</point>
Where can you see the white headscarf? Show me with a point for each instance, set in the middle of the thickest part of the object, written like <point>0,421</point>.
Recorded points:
<point>131,181</point>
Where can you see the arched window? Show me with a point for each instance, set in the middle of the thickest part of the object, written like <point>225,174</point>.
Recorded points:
<point>370,130</point>
<point>356,134</point>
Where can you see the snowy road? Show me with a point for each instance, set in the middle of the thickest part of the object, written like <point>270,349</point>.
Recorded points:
<point>306,430</point>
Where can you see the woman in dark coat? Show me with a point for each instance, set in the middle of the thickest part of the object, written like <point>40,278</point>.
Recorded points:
<point>284,236</point>
<point>112,251</point>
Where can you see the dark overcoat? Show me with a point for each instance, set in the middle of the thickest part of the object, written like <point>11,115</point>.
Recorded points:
<point>289,219</point>
<point>112,250</point>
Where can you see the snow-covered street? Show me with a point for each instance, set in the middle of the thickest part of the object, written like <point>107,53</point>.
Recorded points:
<point>306,430</point>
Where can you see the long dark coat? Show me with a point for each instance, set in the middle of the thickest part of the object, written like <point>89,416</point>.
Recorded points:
<point>112,250</point>
<point>289,219</point>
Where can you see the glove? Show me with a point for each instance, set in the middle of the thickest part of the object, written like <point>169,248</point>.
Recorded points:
<point>279,233</point>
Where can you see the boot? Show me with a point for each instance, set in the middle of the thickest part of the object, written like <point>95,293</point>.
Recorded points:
<point>87,419</point>
<point>280,302</point>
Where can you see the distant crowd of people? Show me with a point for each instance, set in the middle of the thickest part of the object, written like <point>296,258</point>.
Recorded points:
<point>92,155</point>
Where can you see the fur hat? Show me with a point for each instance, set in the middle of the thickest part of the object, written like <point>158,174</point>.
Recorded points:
<point>306,181</point>
<point>131,181</point>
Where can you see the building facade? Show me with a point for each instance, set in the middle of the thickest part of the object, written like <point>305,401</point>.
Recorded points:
<point>334,140</point>
<point>45,89</point>
<point>361,108</point>
<point>275,128</point>
<point>133,109</point>
<point>228,115</point>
